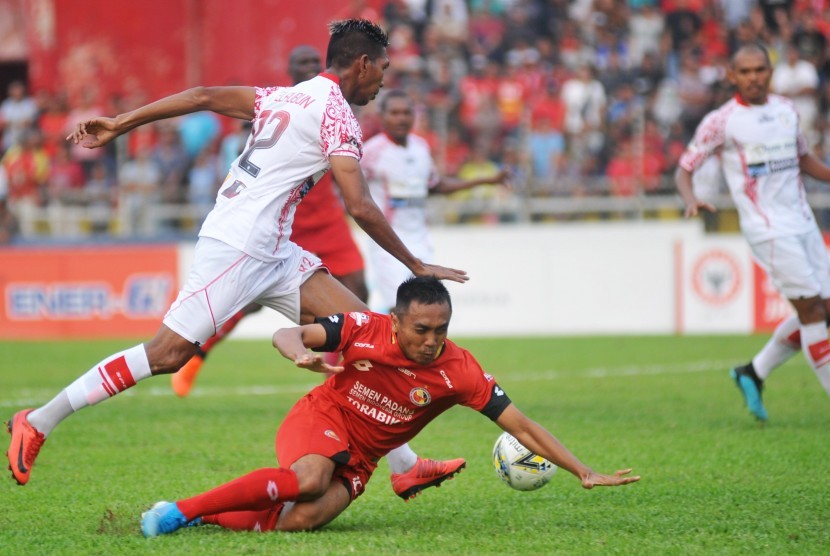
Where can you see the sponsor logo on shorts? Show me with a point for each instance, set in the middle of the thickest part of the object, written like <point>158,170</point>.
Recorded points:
<point>420,396</point>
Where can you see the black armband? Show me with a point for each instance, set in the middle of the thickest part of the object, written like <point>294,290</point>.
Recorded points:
<point>334,326</point>
<point>499,400</point>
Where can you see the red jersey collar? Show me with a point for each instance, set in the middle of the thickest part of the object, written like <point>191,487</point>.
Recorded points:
<point>330,76</point>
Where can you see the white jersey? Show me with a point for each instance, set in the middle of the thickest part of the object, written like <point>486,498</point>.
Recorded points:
<point>760,148</point>
<point>295,131</point>
<point>400,178</point>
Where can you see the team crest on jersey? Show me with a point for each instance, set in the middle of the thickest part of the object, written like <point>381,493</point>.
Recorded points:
<point>420,396</point>
<point>333,435</point>
<point>359,318</point>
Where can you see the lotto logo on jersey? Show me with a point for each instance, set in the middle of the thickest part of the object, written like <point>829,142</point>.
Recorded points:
<point>359,318</point>
<point>420,396</point>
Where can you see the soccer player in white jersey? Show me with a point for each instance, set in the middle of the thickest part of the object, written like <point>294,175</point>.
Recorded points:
<point>244,253</point>
<point>763,155</point>
<point>401,174</point>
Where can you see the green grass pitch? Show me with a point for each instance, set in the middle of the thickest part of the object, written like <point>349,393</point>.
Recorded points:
<point>713,480</point>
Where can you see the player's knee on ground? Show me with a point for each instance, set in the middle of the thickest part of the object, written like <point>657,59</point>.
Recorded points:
<point>312,485</point>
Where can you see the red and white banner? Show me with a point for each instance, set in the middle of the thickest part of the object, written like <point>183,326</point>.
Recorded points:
<point>714,285</point>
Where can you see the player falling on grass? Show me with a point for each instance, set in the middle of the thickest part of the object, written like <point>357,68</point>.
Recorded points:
<point>763,155</point>
<point>399,372</point>
<point>401,175</point>
<point>320,226</point>
<point>244,253</point>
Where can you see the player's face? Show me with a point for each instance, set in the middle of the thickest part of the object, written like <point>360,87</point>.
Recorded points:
<point>305,63</point>
<point>751,74</point>
<point>371,80</point>
<point>422,330</point>
<point>398,118</point>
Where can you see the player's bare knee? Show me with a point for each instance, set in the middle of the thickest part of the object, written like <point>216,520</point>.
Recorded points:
<point>168,357</point>
<point>312,485</point>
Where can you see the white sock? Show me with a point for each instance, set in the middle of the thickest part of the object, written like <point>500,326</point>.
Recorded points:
<point>401,459</point>
<point>114,374</point>
<point>778,350</point>
<point>816,348</point>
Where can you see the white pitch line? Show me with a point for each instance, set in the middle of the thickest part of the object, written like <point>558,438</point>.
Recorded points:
<point>30,397</point>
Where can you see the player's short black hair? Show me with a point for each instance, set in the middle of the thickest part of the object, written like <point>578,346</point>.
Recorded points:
<point>351,39</point>
<point>426,290</point>
<point>753,46</point>
<point>394,93</point>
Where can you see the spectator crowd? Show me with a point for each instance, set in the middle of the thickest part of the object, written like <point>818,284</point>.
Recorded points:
<point>575,97</point>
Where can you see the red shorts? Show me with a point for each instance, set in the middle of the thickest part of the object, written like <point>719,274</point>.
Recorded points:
<point>333,243</point>
<point>316,426</point>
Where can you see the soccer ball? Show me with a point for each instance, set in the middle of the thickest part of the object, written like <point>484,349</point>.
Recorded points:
<point>519,467</point>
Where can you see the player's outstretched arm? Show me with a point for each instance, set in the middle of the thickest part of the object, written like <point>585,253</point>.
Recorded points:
<point>537,439</point>
<point>235,102</point>
<point>360,206</point>
<point>449,184</point>
<point>293,344</point>
<point>683,180</point>
<point>813,167</point>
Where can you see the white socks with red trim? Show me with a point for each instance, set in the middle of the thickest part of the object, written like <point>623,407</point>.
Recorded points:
<point>106,379</point>
<point>784,343</point>
<point>816,348</point>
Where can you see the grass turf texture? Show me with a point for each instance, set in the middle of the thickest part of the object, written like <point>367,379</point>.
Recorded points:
<point>714,481</point>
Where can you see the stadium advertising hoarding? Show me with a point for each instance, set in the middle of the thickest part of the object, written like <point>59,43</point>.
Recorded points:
<point>91,292</point>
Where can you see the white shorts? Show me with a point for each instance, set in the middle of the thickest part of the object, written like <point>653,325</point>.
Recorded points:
<point>223,280</point>
<point>798,266</point>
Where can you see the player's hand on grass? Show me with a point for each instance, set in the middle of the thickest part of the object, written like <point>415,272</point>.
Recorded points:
<point>314,362</point>
<point>693,208</point>
<point>94,133</point>
<point>593,479</point>
<point>443,273</point>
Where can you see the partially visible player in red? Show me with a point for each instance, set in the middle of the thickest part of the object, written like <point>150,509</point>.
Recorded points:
<point>320,226</point>
<point>399,372</point>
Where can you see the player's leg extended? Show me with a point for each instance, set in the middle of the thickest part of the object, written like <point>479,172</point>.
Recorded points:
<point>183,380</point>
<point>322,295</point>
<point>814,340</point>
<point>784,343</point>
<point>256,493</point>
<point>29,428</point>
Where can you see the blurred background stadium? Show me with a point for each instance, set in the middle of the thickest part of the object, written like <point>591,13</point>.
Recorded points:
<point>588,102</point>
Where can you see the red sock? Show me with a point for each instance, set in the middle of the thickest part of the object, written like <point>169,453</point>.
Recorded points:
<point>263,520</point>
<point>258,490</point>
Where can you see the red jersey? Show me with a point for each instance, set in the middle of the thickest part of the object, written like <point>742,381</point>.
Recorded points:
<point>385,398</point>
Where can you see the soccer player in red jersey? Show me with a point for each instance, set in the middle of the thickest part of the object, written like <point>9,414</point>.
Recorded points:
<point>399,372</point>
